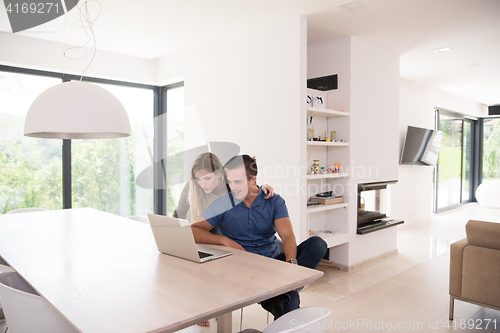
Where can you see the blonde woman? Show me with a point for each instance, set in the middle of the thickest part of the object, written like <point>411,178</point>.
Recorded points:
<point>208,182</point>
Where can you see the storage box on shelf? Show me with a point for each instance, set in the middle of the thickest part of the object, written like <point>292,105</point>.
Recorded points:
<point>330,222</point>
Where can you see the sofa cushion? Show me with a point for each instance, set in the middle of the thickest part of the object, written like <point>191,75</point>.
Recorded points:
<point>484,234</point>
<point>481,275</point>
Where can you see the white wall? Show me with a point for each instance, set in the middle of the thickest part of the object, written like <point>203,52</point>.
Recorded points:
<point>34,53</point>
<point>249,89</point>
<point>374,136</point>
<point>412,197</point>
<point>374,112</point>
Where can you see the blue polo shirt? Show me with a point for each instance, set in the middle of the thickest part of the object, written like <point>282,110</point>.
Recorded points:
<point>253,228</point>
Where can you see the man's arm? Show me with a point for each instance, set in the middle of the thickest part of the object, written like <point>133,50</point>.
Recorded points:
<point>201,232</point>
<point>285,231</point>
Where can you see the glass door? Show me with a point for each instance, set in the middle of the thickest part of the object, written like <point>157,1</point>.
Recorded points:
<point>467,161</point>
<point>449,169</point>
<point>454,182</point>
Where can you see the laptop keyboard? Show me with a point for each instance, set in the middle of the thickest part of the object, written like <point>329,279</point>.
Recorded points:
<point>204,254</point>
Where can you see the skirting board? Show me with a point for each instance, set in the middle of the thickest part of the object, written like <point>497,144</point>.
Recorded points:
<point>363,263</point>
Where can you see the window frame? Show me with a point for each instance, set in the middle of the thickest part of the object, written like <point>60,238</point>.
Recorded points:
<point>159,107</point>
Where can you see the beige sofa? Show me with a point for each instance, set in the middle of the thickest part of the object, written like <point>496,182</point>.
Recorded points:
<point>475,266</point>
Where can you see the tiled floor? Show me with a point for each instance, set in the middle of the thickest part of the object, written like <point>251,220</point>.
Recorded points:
<point>409,289</point>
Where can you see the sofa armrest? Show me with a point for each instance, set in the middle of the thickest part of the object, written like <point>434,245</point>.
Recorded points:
<point>483,234</point>
<point>456,263</point>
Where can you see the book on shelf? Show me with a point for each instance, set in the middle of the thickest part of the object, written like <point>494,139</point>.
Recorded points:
<point>328,200</point>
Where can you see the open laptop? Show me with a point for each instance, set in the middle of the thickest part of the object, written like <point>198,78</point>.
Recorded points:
<point>174,237</point>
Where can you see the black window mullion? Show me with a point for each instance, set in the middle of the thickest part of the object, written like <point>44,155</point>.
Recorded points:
<point>159,168</point>
<point>66,168</point>
<point>66,174</point>
<point>473,159</point>
<point>478,157</point>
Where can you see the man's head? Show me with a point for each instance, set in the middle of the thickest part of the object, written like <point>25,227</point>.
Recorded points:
<point>241,172</point>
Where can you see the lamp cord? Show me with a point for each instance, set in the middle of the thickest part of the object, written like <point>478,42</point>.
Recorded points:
<point>87,23</point>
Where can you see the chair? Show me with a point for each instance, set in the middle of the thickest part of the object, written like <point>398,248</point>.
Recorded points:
<point>26,210</point>
<point>26,311</point>
<point>474,269</point>
<point>280,248</point>
<point>139,218</point>
<point>308,319</point>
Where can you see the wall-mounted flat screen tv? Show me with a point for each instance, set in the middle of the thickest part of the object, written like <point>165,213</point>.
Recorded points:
<point>421,146</point>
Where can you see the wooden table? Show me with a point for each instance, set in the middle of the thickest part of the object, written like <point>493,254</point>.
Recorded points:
<point>103,273</point>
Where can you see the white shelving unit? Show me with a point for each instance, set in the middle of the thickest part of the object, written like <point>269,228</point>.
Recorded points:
<point>326,112</point>
<point>335,239</point>
<point>322,208</point>
<point>328,144</point>
<point>327,175</point>
<point>333,218</point>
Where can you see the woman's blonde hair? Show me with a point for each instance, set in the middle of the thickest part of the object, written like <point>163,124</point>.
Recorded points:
<point>198,199</point>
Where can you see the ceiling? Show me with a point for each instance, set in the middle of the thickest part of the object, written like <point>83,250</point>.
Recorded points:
<point>409,28</point>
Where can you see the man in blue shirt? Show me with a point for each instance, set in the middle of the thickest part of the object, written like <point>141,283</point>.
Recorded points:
<point>249,222</point>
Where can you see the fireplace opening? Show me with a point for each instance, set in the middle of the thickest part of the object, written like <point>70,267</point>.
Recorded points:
<point>372,207</point>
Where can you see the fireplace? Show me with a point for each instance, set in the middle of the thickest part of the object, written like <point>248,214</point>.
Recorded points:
<point>372,207</point>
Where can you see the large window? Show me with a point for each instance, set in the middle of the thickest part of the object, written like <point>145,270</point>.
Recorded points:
<point>30,169</point>
<point>491,149</point>
<point>104,171</point>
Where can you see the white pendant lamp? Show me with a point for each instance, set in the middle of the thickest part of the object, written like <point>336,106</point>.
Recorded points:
<point>77,110</point>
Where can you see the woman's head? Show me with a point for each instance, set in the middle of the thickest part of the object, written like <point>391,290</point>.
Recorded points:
<point>207,172</point>
<point>207,175</point>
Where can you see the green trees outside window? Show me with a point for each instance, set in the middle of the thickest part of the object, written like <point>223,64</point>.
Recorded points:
<point>104,170</point>
<point>491,149</point>
<point>30,169</point>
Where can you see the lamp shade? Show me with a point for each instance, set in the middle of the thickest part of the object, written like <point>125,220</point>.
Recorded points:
<point>77,110</point>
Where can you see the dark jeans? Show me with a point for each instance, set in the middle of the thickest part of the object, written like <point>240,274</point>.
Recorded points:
<point>309,254</point>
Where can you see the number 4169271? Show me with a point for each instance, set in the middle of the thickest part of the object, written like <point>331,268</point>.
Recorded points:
<point>472,324</point>
<point>39,8</point>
